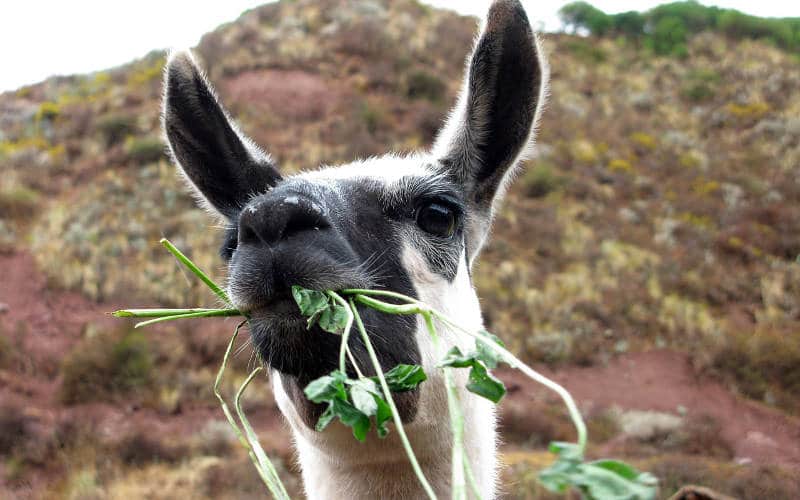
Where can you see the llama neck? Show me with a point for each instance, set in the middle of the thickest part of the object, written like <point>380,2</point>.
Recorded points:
<point>326,478</point>
<point>379,468</point>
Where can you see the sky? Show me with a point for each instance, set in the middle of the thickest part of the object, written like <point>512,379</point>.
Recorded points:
<point>41,38</point>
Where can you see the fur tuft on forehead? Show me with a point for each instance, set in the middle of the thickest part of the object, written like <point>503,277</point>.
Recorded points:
<point>388,169</point>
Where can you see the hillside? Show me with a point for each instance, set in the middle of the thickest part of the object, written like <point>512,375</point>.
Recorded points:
<point>661,214</point>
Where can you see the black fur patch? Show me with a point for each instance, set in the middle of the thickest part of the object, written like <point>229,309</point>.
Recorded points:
<point>209,150</point>
<point>503,92</point>
<point>229,243</point>
<point>408,196</point>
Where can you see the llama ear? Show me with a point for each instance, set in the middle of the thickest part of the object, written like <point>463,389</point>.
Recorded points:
<point>223,166</point>
<point>492,126</point>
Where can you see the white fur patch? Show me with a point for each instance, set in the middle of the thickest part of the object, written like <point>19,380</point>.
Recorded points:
<point>388,169</point>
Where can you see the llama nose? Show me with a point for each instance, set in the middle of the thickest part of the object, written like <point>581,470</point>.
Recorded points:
<point>273,220</point>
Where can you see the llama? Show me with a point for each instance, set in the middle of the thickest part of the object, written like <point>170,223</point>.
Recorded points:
<point>413,224</point>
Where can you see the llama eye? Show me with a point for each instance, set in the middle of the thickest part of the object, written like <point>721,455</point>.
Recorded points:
<point>437,219</point>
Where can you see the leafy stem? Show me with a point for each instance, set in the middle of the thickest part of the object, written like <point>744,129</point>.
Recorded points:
<point>413,306</point>
<point>196,270</point>
<point>354,401</point>
<point>456,419</point>
<point>263,462</point>
<point>387,393</point>
<point>512,360</point>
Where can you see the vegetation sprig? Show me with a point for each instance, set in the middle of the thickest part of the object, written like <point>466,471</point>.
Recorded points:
<point>356,402</point>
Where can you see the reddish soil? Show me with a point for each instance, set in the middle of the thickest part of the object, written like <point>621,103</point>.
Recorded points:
<point>664,381</point>
<point>290,94</point>
<point>43,325</point>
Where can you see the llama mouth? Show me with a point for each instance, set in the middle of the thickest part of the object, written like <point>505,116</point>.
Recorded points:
<point>281,305</point>
<point>283,340</point>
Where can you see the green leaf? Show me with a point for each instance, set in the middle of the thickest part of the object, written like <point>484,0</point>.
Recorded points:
<point>485,353</point>
<point>566,451</point>
<point>619,468</point>
<point>312,320</point>
<point>327,388</point>
<point>333,318</point>
<point>403,378</point>
<point>556,478</point>
<point>382,416</point>
<point>484,384</point>
<point>455,359</point>
<point>601,479</point>
<point>310,302</point>
<point>600,482</point>
<point>362,394</point>
<point>326,418</point>
<point>352,417</point>
<point>481,382</point>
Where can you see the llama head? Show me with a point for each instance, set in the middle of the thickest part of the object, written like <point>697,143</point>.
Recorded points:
<point>412,224</point>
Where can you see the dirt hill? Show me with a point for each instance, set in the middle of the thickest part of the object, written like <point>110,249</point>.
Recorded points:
<point>659,224</point>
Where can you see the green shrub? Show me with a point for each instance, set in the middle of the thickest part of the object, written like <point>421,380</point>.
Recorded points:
<point>778,31</point>
<point>669,38</point>
<point>629,23</point>
<point>48,111</point>
<point>700,85</point>
<point>666,26</point>
<point>585,15</point>
<point>586,51</point>
<point>763,364</point>
<point>14,428</point>
<point>116,127</point>
<point>144,150</point>
<point>423,85</point>
<point>18,202</point>
<point>105,366</point>
<point>374,117</point>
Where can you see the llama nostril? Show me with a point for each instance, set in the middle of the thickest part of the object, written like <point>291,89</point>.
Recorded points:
<point>247,235</point>
<point>303,216</point>
<point>276,219</point>
<point>248,222</point>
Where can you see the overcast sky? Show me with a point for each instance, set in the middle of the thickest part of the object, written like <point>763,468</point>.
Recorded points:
<point>41,38</point>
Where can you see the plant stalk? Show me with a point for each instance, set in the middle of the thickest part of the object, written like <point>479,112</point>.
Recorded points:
<point>158,313</point>
<point>515,362</point>
<point>196,270</point>
<point>388,395</point>
<point>200,314</point>
<point>459,489</point>
<point>274,484</point>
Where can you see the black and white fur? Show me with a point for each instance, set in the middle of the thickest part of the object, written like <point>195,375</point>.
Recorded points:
<point>413,224</point>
